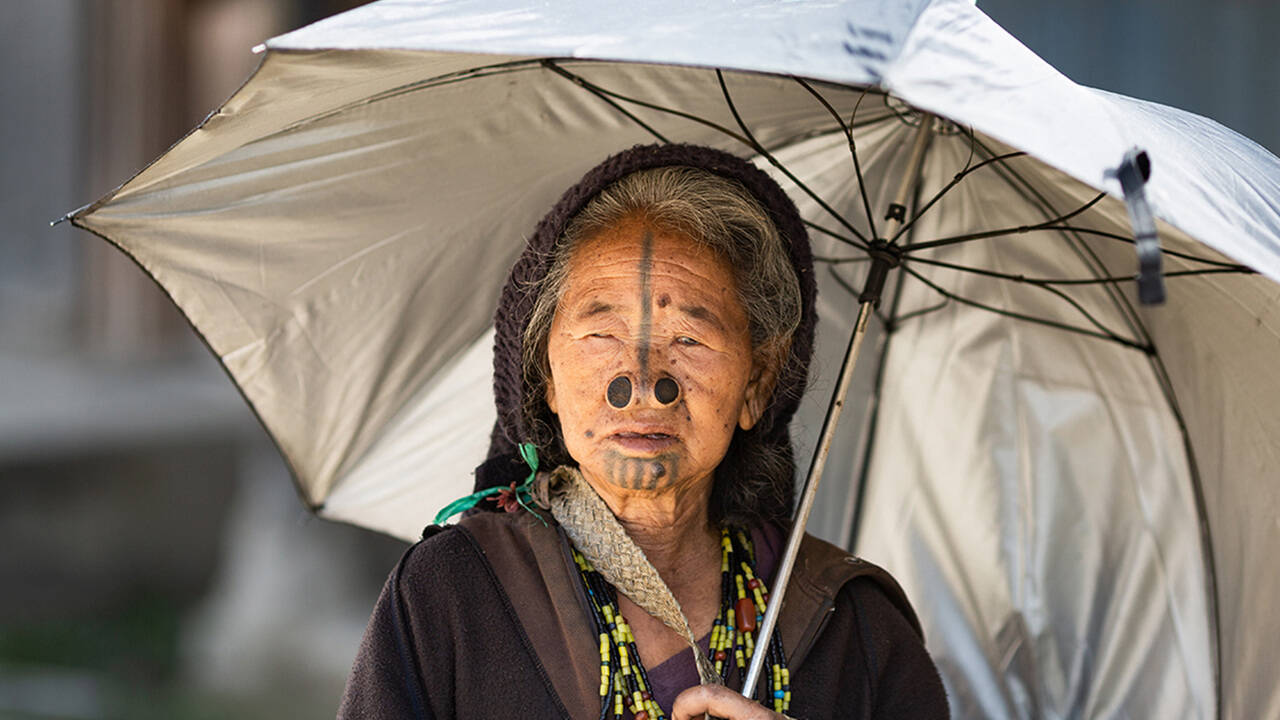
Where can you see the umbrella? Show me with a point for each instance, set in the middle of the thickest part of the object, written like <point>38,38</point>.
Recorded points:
<point>1072,486</point>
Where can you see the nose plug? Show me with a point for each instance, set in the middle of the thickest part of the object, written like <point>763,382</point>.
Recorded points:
<point>619,392</point>
<point>666,390</point>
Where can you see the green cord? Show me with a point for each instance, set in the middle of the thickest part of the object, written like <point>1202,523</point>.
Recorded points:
<point>524,496</point>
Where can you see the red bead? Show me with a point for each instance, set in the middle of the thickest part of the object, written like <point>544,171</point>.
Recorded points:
<point>645,696</point>
<point>720,655</point>
<point>745,615</point>
<point>642,715</point>
<point>753,583</point>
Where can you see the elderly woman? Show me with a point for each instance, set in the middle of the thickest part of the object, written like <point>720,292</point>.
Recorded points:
<point>652,344</point>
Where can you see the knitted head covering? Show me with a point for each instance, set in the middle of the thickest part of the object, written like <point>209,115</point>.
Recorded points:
<point>504,464</point>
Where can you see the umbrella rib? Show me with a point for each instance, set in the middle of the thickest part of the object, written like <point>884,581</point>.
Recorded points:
<point>947,188</point>
<point>1174,253</point>
<point>755,144</point>
<point>599,93</point>
<point>922,311</point>
<point>457,76</point>
<point>853,147</point>
<point>1104,334</point>
<point>841,260</point>
<point>1050,288</point>
<point>1227,266</point>
<point>984,234</point>
<point>1202,515</point>
<point>1242,270</point>
<point>831,233</point>
<point>785,142</point>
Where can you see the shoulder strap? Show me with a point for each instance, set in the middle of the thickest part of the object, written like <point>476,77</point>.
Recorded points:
<point>531,562</point>
<point>821,570</point>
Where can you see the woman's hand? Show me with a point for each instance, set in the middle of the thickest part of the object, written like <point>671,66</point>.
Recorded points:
<point>721,702</point>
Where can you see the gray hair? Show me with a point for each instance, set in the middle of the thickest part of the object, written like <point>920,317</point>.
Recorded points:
<point>721,214</point>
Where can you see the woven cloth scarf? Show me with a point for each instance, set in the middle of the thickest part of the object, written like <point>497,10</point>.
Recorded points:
<point>602,540</point>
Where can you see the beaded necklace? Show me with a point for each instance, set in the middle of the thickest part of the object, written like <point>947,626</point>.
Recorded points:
<point>624,683</point>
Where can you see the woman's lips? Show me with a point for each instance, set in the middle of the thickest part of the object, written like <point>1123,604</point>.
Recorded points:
<point>643,443</point>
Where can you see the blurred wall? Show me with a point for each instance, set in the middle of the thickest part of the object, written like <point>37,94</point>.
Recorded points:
<point>156,561</point>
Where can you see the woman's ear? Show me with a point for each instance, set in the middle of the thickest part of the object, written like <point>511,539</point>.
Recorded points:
<point>759,390</point>
<point>550,395</point>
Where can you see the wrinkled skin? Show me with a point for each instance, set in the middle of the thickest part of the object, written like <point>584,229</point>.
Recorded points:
<point>718,702</point>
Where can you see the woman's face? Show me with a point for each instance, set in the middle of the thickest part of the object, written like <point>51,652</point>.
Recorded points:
<point>651,362</point>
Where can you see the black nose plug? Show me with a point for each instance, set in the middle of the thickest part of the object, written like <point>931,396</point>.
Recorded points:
<point>666,390</point>
<point>619,392</point>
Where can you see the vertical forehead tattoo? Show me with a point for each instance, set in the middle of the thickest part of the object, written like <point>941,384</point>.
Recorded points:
<point>646,304</point>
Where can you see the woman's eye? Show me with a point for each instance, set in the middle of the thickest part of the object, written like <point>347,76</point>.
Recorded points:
<point>686,340</point>
<point>599,335</point>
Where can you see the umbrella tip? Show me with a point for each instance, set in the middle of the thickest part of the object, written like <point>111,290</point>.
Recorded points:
<point>70,216</point>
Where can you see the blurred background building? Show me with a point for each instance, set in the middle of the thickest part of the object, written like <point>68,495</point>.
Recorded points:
<point>154,559</point>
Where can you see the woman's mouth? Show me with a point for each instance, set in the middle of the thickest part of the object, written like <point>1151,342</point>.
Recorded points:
<point>643,443</point>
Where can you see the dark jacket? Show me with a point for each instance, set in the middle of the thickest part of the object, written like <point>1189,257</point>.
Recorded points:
<point>487,619</point>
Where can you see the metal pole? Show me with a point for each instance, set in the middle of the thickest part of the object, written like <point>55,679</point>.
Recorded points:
<point>883,260</point>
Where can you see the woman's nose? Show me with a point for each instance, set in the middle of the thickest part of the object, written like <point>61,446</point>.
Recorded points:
<point>620,390</point>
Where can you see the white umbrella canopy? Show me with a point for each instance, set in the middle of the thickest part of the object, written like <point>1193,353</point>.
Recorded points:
<point>1082,513</point>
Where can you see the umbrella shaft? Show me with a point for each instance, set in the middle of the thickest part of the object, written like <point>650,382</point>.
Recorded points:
<point>915,161</point>
<point>882,261</point>
<point>807,497</point>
